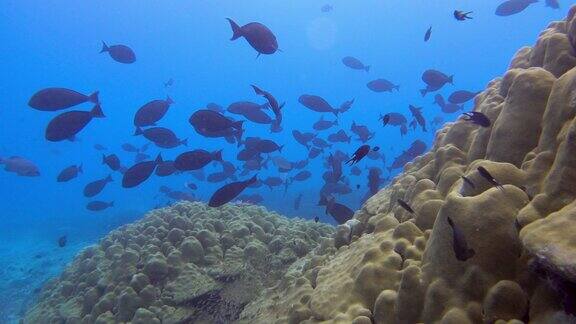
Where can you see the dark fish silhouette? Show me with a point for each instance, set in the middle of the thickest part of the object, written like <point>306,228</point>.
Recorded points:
<point>339,137</point>
<point>461,15</point>
<point>459,244</point>
<point>162,137</point>
<point>99,205</point>
<point>417,114</point>
<point>152,112</point>
<point>374,180</point>
<point>272,182</point>
<point>68,124</point>
<point>297,202</point>
<point>100,147</point>
<point>21,166</point>
<point>119,53</point>
<point>96,187</point>
<point>197,159</point>
<point>382,85</point>
<point>345,106</point>
<point>257,35</point>
<point>53,99</point>
<point>69,173</point>
<point>165,168</point>
<point>324,124</point>
<point>450,108</point>
<point>512,7</point>
<point>320,143</point>
<point>468,182</point>
<point>301,176</point>
<point>62,240</point>
<point>428,34</point>
<point>355,63</point>
<point>554,4</point>
<point>276,108</point>
<point>360,153</point>
<point>339,212</point>
<point>461,96</point>
<point>477,118</point>
<point>314,153</point>
<point>230,191</point>
<point>486,175</point>
<point>112,161</point>
<point>316,219</point>
<point>205,120</point>
<point>434,80</point>
<point>268,146</point>
<point>405,205</point>
<point>140,172</point>
<point>317,104</point>
<point>385,119</point>
<point>303,138</point>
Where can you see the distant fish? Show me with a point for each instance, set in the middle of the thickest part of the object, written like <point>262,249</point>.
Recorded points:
<point>461,15</point>
<point>461,96</point>
<point>417,114</point>
<point>68,124</point>
<point>197,159</point>
<point>359,154</point>
<point>297,202</point>
<point>228,192</point>
<point>317,104</point>
<point>272,182</point>
<point>99,205</point>
<point>314,153</point>
<point>554,4</point>
<point>257,35</point>
<point>468,182</point>
<point>100,147</point>
<point>276,108</point>
<point>205,120</point>
<point>320,143</point>
<point>339,137</point>
<point>450,108</point>
<point>322,124</point>
<point>486,175</point>
<point>395,119</point>
<point>405,205</point>
<point>435,80</point>
<point>21,166</point>
<point>162,137</point>
<point>303,138</point>
<point>69,173</point>
<point>459,244</point>
<point>428,34</point>
<point>268,146</point>
<point>301,176</point>
<point>152,112</point>
<point>53,99</point>
<point>129,148</point>
<point>112,161</point>
<point>512,7</point>
<point>62,240</point>
<point>190,185</point>
<point>95,187</point>
<point>326,8</point>
<point>119,53</point>
<point>355,63</point>
<point>339,212</point>
<point>374,180</point>
<point>169,83</point>
<point>382,85</point>
<point>477,118</point>
<point>140,172</point>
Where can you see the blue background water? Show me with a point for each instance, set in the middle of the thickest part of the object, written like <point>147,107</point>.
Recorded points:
<point>57,43</point>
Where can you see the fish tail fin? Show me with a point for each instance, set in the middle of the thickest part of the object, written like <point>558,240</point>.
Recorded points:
<point>96,112</point>
<point>280,148</point>
<point>169,100</point>
<point>159,158</point>
<point>184,142</point>
<point>109,178</point>
<point>423,92</point>
<point>238,124</point>
<point>253,179</point>
<point>138,131</point>
<point>335,113</point>
<point>451,79</point>
<point>236,30</point>
<point>367,68</point>
<point>103,158</point>
<point>104,47</point>
<point>217,156</point>
<point>257,90</point>
<point>94,97</point>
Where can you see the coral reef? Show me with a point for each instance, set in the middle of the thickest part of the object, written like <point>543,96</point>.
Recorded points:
<point>400,267</point>
<point>182,264</point>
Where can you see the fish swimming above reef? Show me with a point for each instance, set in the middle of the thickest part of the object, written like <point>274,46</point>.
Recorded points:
<point>68,124</point>
<point>69,173</point>
<point>197,159</point>
<point>428,34</point>
<point>257,35</point>
<point>359,154</point>
<point>21,166</point>
<point>355,63</point>
<point>382,85</point>
<point>53,99</point>
<point>230,191</point>
<point>119,53</point>
<point>112,161</point>
<point>512,7</point>
<point>417,114</point>
<point>140,172</point>
<point>152,112</point>
<point>317,104</point>
<point>461,15</point>
<point>339,212</point>
<point>322,124</point>
<point>98,205</point>
<point>435,80</point>
<point>477,118</point>
<point>459,244</point>
<point>405,206</point>
<point>95,187</point>
<point>62,240</point>
<point>467,181</point>
<point>486,175</point>
<point>461,96</point>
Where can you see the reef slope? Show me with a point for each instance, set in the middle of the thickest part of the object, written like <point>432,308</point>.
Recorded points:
<point>401,267</point>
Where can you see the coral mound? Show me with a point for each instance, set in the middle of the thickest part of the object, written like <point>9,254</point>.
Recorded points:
<point>402,268</point>
<point>183,264</point>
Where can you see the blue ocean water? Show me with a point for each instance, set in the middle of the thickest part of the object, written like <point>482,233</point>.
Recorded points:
<point>57,44</point>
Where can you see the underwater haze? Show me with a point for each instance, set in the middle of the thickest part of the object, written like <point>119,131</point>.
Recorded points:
<point>368,60</point>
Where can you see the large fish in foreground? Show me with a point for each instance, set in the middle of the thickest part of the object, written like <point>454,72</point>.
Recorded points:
<point>139,172</point>
<point>257,35</point>
<point>512,7</point>
<point>228,192</point>
<point>67,125</point>
<point>52,99</point>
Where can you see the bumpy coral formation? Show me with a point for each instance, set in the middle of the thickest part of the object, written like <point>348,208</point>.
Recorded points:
<point>184,264</point>
<point>402,268</point>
